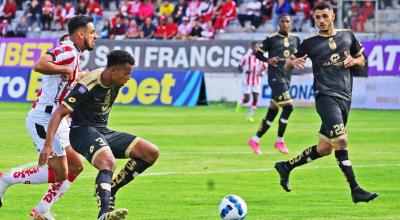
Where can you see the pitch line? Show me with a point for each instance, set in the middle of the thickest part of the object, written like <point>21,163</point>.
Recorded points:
<point>248,170</point>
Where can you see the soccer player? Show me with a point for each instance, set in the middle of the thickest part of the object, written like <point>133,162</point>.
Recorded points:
<point>89,105</point>
<point>332,52</point>
<point>279,47</point>
<point>252,69</point>
<point>60,67</point>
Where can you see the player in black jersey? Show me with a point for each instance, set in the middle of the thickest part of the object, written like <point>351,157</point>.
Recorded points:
<point>332,52</point>
<point>89,105</point>
<point>279,47</point>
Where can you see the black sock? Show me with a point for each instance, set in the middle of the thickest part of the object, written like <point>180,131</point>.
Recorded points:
<point>266,122</point>
<point>304,157</point>
<point>283,120</point>
<point>103,190</point>
<point>133,167</point>
<point>342,158</point>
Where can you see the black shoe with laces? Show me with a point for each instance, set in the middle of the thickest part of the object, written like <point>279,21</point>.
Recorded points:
<point>360,195</point>
<point>284,174</point>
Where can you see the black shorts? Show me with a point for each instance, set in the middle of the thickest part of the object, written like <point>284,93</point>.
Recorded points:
<point>334,112</point>
<point>280,93</point>
<point>89,142</point>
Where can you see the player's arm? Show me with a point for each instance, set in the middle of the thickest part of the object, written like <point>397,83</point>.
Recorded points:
<point>298,59</point>
<point>354,57</point>
<point>261,51</point>
<point>55,120</point>
<point>46,66</point>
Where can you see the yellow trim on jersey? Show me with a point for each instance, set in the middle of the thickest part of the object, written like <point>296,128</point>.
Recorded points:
<point>92,78</point>
<point>67,105</point>
<point>128,150</point>
<point>311,35</point>
<point>98,152</point>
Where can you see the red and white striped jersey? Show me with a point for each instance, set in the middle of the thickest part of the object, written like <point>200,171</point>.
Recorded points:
<point>254,67</point>
<point>53,89</point>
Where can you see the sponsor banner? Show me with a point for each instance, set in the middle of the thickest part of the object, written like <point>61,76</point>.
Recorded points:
<point>174,88</point>
<point>383,57</point>
<point>23,52</point>
<point>368,93</point>
<point>300,90</point>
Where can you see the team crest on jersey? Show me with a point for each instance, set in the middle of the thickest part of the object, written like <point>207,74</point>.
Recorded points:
<point>331,43</point>
<point>82,89</point>
<point>286,53</point>
<point>286,42</point>
<point>71,99</point>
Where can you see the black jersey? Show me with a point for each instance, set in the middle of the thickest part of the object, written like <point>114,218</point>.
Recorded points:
<point>281,46</point>
<point>327,56</point>
<point>90,101</point>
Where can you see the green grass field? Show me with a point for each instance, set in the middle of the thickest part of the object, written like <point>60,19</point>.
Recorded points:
<point>204,157</point>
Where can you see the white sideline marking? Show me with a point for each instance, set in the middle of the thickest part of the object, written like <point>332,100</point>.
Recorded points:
<point>248,170</point>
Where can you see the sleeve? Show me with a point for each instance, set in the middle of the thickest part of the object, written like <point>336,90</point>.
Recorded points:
<point>355,47</point>
<point>63,55</point>
<point>78,95</point>
<point>265,45</point>
<point>301,50</point>
<point>243,61</point>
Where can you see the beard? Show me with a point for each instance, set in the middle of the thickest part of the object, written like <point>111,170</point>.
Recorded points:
<point>88,46</point>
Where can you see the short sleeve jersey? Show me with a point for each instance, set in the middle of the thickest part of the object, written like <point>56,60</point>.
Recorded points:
<point>327,54</point>
<point>90,101</point>
<point>52,89</point>
<point>281,46</point>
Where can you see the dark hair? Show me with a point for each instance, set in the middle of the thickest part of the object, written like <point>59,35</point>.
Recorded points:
<point>323,5</point>
<point>62,38</point>
<point>254,43</point>
<point>284,15</point>
<point>119,57</point>
<point>77,22</point>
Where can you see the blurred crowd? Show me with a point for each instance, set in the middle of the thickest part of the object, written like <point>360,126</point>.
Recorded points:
<point>170,19</point>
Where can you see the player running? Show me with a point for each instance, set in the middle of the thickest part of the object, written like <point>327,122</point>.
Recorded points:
<point>61,70</point>
<point>332,52</point>
<point>89,105</point>
<point>253,69</point>
<point>279,47</point>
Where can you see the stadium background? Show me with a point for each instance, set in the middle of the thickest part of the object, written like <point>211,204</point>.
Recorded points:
<point>202,70</point>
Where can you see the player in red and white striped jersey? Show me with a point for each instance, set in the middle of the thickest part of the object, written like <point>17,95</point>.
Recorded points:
<point>253,69</point>
<point>60,69</point>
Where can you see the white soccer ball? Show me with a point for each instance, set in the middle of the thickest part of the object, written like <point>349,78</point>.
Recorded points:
<point>232,207</point>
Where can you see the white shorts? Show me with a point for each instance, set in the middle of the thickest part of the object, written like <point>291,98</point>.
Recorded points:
<point>247,89</point>
<point>37,122</point>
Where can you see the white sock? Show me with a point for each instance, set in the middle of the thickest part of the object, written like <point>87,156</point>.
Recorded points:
<point>279,139</point>
<point>35,175</point>
<point>53,194</point>
<point>251,111</point>
<point>256,138</point>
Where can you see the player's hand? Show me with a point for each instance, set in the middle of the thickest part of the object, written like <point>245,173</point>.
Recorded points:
<point>68,75</point>
<point>46,152</point>
<point>299,63</point>
<point>273,61</point>
<point>349,61</point>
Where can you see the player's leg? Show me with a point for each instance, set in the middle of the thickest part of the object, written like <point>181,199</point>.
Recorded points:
<point>245,99</point>
<point>69,158</point>
<point>90,143</point>
<point>58,189</point>
<point>284,100</point>
<point>255,92</point>
<point>142,154</point>
<point>266,122</point>
<point>338,139</point>
<point>308,155</point>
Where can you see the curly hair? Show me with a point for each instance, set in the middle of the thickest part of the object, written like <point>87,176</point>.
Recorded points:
<point>77,22</point>
<point>119,57</point>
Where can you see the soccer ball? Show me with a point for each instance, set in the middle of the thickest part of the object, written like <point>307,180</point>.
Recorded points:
<point>232,207</point>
